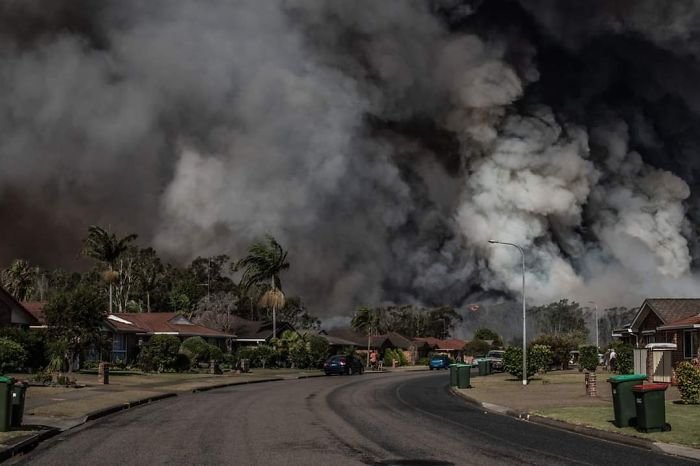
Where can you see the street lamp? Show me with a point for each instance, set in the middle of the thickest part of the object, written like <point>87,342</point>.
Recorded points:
<point>596,322</point>
<point>522,253</point>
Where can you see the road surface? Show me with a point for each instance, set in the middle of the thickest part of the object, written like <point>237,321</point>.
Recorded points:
<point>384,419</point>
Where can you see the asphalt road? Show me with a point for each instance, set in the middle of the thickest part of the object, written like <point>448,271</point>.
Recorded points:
<point>388,419</point>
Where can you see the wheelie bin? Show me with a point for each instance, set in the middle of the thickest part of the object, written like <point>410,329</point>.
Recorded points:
<point>484,367</point>
<point>6,384</point>
<point>453,375</point>
<point>463,373</point>
<point>623,399</point>
<point>650,402</point>
<point>19,393</point>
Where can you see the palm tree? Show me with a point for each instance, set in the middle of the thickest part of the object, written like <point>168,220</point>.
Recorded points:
<point>105,247</point>
<point>366,320</point>
<point>264,262</point>
<point>18,279</point>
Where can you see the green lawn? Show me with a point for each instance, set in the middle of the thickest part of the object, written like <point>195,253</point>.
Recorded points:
<point>684,420</point>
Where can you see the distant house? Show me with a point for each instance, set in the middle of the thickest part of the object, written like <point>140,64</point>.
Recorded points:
<point>256,332</point>
<point>130,330</point>
<point>336,344</point>
<point>13,313</point>
<point>452,347</point>
<point>666,320</point>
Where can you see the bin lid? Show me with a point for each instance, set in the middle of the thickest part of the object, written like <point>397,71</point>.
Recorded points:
<point>5,379</point>
<point>650,387</point>
<point>627,378</point>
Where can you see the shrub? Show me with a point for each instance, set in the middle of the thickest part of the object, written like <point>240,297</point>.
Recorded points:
<point>403,360</point>
<point>33,342</point>
<point>423,361</point>
<point>160,353</point>
<point>513,362</point>
<point>624,358</point>
<point>12,355</point>
<point>476,348</point>
<point>589,358</point>
<point>540,357</point>
<point>389,356</point>
<point>688,376</point>
<point>318,351</point>
<point>182,363</point>
<point>560,346</point>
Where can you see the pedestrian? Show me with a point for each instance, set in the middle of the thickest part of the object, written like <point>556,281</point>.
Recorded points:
<point>613,359</point>
<point>373,360</point>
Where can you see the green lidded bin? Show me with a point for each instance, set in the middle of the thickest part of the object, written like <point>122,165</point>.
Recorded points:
<point>453,375</point>
<point>19,393</point>
<point>463,373</point>
<point>484,367</point>
<point>6,385</point>
<point>650,403</point>
<point>623,398</point>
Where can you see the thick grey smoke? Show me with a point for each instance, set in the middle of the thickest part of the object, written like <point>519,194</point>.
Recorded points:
<point>383,143</point>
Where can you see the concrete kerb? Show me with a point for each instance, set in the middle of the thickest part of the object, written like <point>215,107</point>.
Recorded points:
<point>27,443</point>
<point>122,406</point>
<point>667,448</point>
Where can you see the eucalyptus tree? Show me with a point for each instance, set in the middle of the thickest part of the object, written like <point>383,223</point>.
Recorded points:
<point>265,261</point>
<point>107,248</point>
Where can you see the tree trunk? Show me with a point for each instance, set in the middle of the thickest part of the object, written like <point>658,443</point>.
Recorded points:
<point>148,301</point>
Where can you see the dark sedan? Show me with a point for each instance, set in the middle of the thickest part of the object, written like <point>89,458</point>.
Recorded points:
<point>343,365</point>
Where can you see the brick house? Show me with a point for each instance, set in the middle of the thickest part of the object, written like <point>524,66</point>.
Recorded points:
<point>452,347</point>
<point>128,331</point>
<point>667,320</point>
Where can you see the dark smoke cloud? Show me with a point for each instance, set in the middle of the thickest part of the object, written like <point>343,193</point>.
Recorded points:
<point>383,143</point>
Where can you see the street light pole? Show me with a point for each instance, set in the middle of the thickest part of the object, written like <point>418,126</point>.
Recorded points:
<point>597,345</point>
<point>522,253</point>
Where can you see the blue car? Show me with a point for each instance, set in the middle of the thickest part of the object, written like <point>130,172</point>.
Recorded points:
<point>439,362</point>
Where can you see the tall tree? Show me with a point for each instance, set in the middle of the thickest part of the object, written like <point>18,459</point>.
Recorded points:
<point>74,319</point>
<point>265,261</point>
<point>561,317</point>
<point>148,273</point>
<point>106,248</point>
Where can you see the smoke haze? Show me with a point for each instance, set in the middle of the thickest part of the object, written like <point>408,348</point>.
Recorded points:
<point>382,143</point>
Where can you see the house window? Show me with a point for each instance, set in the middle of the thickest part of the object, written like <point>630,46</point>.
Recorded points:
<point>690,344</point>
<point>119,342</point>
<point>651,339</point>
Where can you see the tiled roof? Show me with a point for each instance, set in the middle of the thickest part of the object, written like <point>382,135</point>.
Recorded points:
<point>349,335</point>
<point>256,329</point>
<point>674,309</point>
<point>450,344</point>
<point>161,322</point>
<point>36,308</point>
<point>683,323</point>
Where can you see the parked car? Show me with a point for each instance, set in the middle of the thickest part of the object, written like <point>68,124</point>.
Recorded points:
<point>495,357</point>
<point>439,362</point>
<point>343,365</point>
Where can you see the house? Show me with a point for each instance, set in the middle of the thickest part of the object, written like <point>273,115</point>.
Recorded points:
<point>256,332</point>
<point>452,347</point>
<point>666,320</point>
<point>336,344</point>
<point>128,331</point>
<point>13,313</point>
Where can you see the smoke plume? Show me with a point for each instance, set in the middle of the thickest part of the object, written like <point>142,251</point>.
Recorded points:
<point>382,143</point>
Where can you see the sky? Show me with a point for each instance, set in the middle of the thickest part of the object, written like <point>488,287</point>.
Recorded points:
<point>382,143</point>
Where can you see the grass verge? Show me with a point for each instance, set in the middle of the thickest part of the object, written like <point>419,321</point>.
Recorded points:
<point>684,420</point>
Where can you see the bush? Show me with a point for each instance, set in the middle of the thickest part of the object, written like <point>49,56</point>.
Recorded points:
<point>540,356</point>
<point>477,348</point>
<point>12,355</point>
<point>560,346</point>
<point>318,351</point>
<point>160,353</point>
<point>513,362</point>
<point>589,358</point>
<point>624,358</point>
<point>33,342</point>
<point>423,361</point>
<point>688,377</point>
<point>182,363</point>
<point>199,351</point>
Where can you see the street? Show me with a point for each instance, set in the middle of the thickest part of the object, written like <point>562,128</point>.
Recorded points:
<point>404,418</point>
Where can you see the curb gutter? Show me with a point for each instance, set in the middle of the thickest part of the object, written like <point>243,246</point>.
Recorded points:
<point>661,447</point>
<point>27,444</point>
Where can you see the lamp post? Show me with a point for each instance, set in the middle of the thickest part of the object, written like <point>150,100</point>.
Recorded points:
<point>597,345</point>
<point>522,253</point>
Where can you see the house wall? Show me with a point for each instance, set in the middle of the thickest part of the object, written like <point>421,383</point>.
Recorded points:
<point>650,322</point>
<point>5,314</point>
